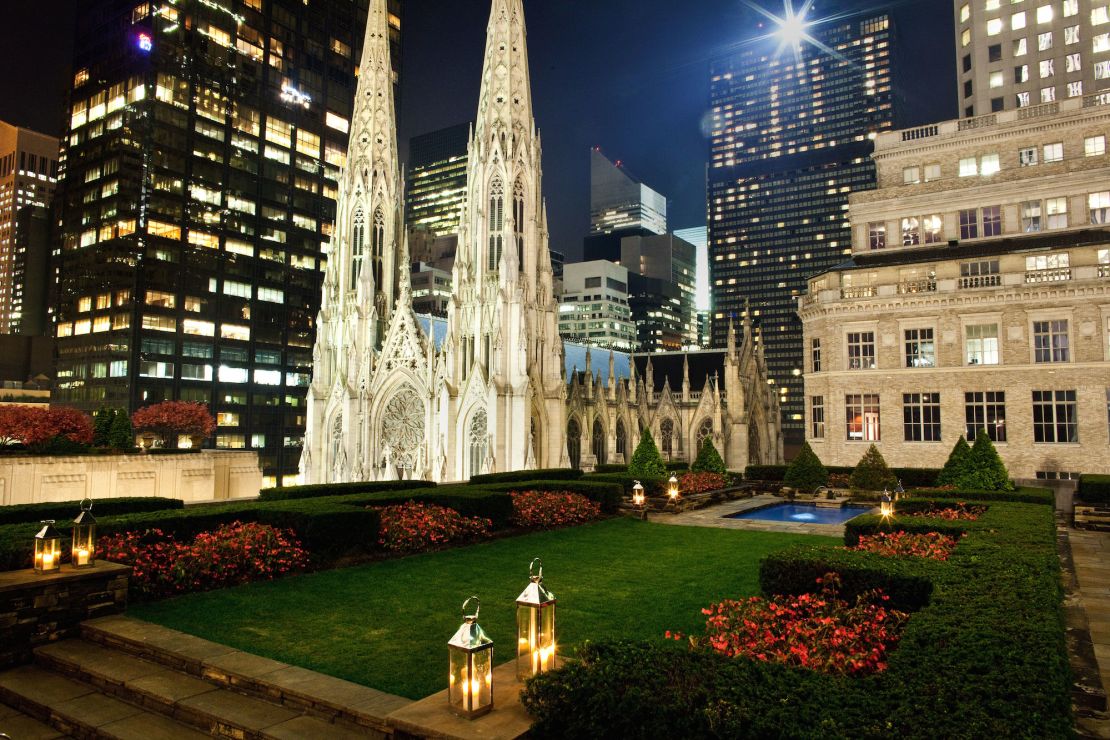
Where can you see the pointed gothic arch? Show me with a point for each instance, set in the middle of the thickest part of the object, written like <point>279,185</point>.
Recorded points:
<point>477,440</point>
<point>598,441</point>
<point>518,222</point>
<point>496,223</point>
<point>358,245</point>
<point>704,430</point>
<point>668,435</point>
<point>622,442</point>
<point>377,248</point>
<point>402,429</point>
<point>574,443</point>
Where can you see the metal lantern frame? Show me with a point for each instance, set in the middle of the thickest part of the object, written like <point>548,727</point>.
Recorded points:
<point>470,666</point>
<point>83,551</point>
<point>48,548</point>
<point>886,505</point>
<point>672,488</point>
<point>535,625</point>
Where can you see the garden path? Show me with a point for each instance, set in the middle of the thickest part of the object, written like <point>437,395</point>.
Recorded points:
<point>1091,555</point>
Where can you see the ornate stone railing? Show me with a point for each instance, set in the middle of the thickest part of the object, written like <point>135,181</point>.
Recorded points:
<point>1049,275</point>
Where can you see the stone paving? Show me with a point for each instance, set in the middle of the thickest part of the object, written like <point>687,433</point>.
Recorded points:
<point>716,516</point>
<point>1091,556</point>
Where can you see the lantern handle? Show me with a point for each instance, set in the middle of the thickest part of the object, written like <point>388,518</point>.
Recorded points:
<point>476,608</point>
<point>538,576</point>
<point>89,507</point>
<point>48,521</point>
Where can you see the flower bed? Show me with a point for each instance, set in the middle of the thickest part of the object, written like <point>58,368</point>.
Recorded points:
<point>958,511</point>
<point>701,482</point>
<point>232,554</point>
<point>416,527</point>
<point>933,545</point>
<point>549,509</point>
<point>819,631</point>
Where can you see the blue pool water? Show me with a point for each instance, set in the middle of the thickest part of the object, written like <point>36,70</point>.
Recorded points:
<point>803,513</point>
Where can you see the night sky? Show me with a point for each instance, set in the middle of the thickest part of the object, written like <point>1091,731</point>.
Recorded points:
<point>630,76</point>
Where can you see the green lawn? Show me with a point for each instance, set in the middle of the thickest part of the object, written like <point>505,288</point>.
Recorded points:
<point>386,624</point>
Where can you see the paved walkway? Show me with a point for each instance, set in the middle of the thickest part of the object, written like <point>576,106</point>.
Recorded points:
<point>1091,555</point>
<point>717,516</point>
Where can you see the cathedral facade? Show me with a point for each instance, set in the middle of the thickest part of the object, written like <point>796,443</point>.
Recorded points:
<point>388,400</point>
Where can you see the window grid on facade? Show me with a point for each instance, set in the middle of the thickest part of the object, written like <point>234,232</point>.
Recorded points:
<point>1054,417</point>
<point>876,235</point>
<point>861,415</point>
<point>1050,341</point>
<point>815,355</point>
<point>985,410</point>
<point>861,350</point>
<point>969,223</point>
<point>921,417</point>
<point>817,417</point>
<point>981,344</point>
<point>992,221</point>
<point>920,348</point>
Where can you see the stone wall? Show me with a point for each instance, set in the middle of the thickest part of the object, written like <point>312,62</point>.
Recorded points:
<point>197,476</point>
<point>36,609</point>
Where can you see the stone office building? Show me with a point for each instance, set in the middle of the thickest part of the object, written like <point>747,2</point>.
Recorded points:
<point>977,297</point>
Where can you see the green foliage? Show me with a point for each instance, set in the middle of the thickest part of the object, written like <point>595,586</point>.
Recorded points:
<point>806,472</point>
<point>1094,489</point>
<point>652,486</point>
<point>287,493</point>
<point>610,468</point>
<point>102,426</point>
<point>607,494</point>
<point>872,473</point>
<point>957,465</point>
<point>987,472</point>
<point>65,510</point>
<point>709,460</point>
<point>1043,496</point>
<point>646,460</point>
<point>120,435</point>
<point>524,475</point>
<point>908,476</point>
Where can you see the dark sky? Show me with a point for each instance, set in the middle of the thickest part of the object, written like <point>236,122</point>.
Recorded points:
<point>630,76</point>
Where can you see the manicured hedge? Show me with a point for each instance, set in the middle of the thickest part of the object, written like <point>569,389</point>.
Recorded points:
<point>652,486</point>
<point>676,466</point>
<point>523,475</point>
<point>1094,489</point>
<point>287,493</point>
<point>467,500</point>
<point>63,511</point>
<point>610,468</point>
<point>873,523</point>
<point>910,477</point>
<point>1043,496</point>
<point>983,654</point>
<point>607,494</point>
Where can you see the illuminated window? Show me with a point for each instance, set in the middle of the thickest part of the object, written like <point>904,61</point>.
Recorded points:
<point>1099,15</point>
<point>1099,207</point>
<point>920,348</point>
<point>308,143</point>
<point>932,226</point>
<point>1101,42</point>
<point>1031,216</point>
<point>965,37</point>
<point>200,239</point>
<point>862,417</point>
<point>159,323</point>
<point>1020,47</point>
<point>1054,152</point>
<point>969,166</point>
<point>1017,21</point>
<point>921,417</point>
<point>1050,341</point>
<point>199,328</point>
<point>1027,157</point>
<point>876,235</point>
<point>1044,41</point>
<point>1047,68</point>
<point>279,132</point>
<point>1071,35</point>
<point>1075,89</point>
<point>981,344</point>
<point>996,79</point>
<point>1056,209</point>
<point>994,26</point>
<point>1044,14</point>
<point>988,165</point>
<point>911,175</point>
<point>932,172</point>
<point>911,231</point>
<point>985,411</point>
<point>861,350</point>
<point>817,416</point>
<point>1071,7</point>
<point>235,331</point>
<point>337,122</point>
<point>160,299</point>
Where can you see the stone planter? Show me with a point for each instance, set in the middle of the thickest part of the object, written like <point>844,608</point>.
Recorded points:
<point>148,441</point>
<point>196,440</point>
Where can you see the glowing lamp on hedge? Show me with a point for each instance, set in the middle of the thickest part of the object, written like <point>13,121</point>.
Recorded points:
<point>470,657</point>
<point>898,490</point>
<point>637,494</point>
<point>535,625</point>
<point>83,554</point>
<point>672,488</point>
<point>48,548</point>
<point>886,505</point>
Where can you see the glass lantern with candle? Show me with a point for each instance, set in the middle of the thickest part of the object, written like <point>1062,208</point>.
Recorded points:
<point>672,489</point>
<point>84,537</point>
<point>637,494</point>
<point>470,657</point>
<point>535,625</point>
<point>886,505</point>
<point>48,548</point>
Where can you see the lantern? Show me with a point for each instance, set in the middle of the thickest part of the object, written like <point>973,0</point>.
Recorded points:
<point>637,494</point>
<point>48,548</point>
<point>470,657</point>
<point>672,488</point>
<point>84,537</point>
<point>535,626</point>
<point>898,491</point>
<point>886,505</point>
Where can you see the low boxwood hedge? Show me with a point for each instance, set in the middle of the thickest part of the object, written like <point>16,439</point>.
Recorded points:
<point>525,475</point>
<point>610,468</point>
<point>607,494</point>
<point>1094,489</point>
<point>1042,496</point>
<point>66,510</point>
<point>652,486</point>
<point>316,490</point>
<point>983,654</point>
<point>910,477</point>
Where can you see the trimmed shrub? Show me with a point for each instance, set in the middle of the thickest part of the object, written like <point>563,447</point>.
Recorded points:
<point>646,460</point>
<point>120,435</point>
<point>986,473</point>
<point>486,502</point>
<point>770,473</point>
<point>709,460</point>
<point>916,476</point>
<point>677,466</point>
<point>610,468</point>
<point>607,494</point>
<point>870,524</point>
<point>1094,489</point>
<point>652,486</point>
<point>66,510</point>
<point>288,493</point>
<point>1042,496</point>
<point>806,472</point>
<point>102,426</point>
<point>872,473</point>
<point>516,476</point>
<point>957,465</point>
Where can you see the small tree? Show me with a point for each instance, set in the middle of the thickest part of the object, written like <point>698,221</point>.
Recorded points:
<point>957,465</point>
<point>102,426</point>
<point>646,462</point>
<point>169,419</point>
<point>709,460</point>
<point>986,471</point>
<point>57,429</point>
<point>872,473</point>
<point>121,436</point>
<point>806,472</point>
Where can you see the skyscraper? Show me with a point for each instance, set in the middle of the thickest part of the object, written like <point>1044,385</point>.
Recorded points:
<point>28,176</point>
<point>1016,56</point>
<point>436,184</point>
<point>618,201</point>
<point>199,181</point>
<point>791,138</point>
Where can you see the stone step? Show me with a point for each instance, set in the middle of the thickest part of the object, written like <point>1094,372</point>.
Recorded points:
<point>19,726</point>
<point>204,705</point>
<point>295,688</point>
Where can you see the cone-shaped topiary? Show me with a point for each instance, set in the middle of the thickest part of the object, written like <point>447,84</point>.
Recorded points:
<point>102,426</point>
<point>709,460</point>
<point>872,473</point>
<point>986,471</point>
<point>121,436</point>
<point>806,472</point>
<point>646,460</point>
<point>957,465</point>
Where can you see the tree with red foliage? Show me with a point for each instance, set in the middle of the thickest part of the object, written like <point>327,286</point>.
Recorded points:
<point>168,419</point>
<point>38,428</point>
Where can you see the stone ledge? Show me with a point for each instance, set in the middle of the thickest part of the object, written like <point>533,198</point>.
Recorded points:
<point>15,580</point>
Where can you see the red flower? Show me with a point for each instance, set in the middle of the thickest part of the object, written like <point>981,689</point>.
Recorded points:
<point>925,545</point>
<point>415,527</point>
<point>549,509</point>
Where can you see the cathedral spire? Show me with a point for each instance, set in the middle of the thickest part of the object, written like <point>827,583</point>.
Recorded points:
<point>505,101</point>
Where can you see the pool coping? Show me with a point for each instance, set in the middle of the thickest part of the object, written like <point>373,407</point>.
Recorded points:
<point>717,516</point>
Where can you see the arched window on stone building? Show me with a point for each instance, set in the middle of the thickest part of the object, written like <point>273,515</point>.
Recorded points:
<point>599,442</point>
<point>574,443</point>
<point>667,438</point>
